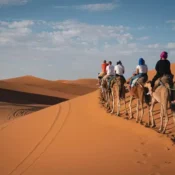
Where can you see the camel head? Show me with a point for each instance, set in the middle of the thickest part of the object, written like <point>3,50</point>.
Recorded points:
<point>148,85</point>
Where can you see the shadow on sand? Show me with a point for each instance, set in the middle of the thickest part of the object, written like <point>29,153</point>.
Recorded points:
<point>22,103</point>
<point>16,97</point>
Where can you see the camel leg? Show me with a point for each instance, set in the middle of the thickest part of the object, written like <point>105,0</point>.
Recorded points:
<point>126,113</point>
<point>113,101</point>
<point>137,111</point>
<point>166,118</point>
<point>142,113</point>
<point>105,95</point>
<point>108,101</point>
<point>161,118</point>
<point>149,121</point>
<point>130,107</point>
<point>118,106</point>
<point>102,94</point>
<point>151,113</point>
<point>174,117</point>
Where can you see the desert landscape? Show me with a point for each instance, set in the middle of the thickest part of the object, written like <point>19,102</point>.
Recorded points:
<point>59,127</point>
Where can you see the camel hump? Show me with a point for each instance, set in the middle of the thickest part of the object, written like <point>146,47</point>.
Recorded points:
<point>121,80</point>
<point>142,80</point>
<point>165,79</point>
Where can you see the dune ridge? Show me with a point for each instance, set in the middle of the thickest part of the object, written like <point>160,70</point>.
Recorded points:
<point>72,88</point>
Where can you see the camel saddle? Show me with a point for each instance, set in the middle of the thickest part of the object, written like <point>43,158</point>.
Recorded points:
<point>165,80</point>
<point>141,81</point>
<point>119,80</point>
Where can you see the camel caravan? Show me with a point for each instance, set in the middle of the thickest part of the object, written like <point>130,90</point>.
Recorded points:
<point>161,89</point>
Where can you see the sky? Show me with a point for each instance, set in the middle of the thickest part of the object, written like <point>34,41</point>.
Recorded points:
<point>69,39</point>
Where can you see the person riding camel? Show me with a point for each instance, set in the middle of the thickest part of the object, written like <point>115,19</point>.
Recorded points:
<point>103,71</point>
<point>120,70</point>
<point>110,72</point>
<point>141,71</point>
<point>163,67</point>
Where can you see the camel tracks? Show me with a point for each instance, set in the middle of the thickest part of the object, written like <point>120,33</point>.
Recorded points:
<point>16,113</point>
<point>52,140</point>
<point>40,141</point>
<point>23,112</point>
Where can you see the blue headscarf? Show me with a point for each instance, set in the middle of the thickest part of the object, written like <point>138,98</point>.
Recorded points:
<point>141,61</point>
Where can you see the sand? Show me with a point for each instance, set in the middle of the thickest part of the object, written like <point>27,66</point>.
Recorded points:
<point>78,137</point>
<point>23,95</point>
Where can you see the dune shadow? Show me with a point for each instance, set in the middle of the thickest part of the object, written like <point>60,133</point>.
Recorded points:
<point>16,97</point>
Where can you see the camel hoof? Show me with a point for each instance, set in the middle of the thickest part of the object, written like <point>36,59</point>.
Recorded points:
<point>126,114</point>
<point>137,121</point>
<point>153,126</point>
<point>160,130</point>
<point>118,115</point>
<point>147,125</point>
<point>163,132</point>
<point>141,122</point>
<point>131,117</point>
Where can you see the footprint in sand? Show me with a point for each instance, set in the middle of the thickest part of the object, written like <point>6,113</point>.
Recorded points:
<point>156,173</point>
<point>167,162</point>
<point>135,150</point>
<point>167,149</point>
<point>143,143</point>
<point>156,166</point>
<point>146,155</point>
<point>142,162</point>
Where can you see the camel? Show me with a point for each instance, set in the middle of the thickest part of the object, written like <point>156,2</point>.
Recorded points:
<point>107,94</point>
<point>138,92</point>
<point>103,91</point>
<point>161,94</point>
<point>172,105</point>
<point>115,92</point>
<point>118,94</point>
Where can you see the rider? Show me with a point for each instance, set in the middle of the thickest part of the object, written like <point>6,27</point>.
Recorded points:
<point>141,70</point>
<point>162,68</point>
<point>103,71</point>
<point>120,70</point>
<point>110,71</point>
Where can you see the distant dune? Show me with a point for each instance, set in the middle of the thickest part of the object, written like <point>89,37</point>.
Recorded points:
<point>78,137</point>
<point>74,88</point>
<point>84,82</point>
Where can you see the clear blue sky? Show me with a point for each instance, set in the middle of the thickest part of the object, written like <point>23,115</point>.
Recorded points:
<point>56,39</point>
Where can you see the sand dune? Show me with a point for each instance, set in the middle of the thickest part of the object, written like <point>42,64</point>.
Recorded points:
<point>83,82</point>
<point>74,88</point>
<point>36,92</point>
<point>76,138</point>
<point>79,137</point>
